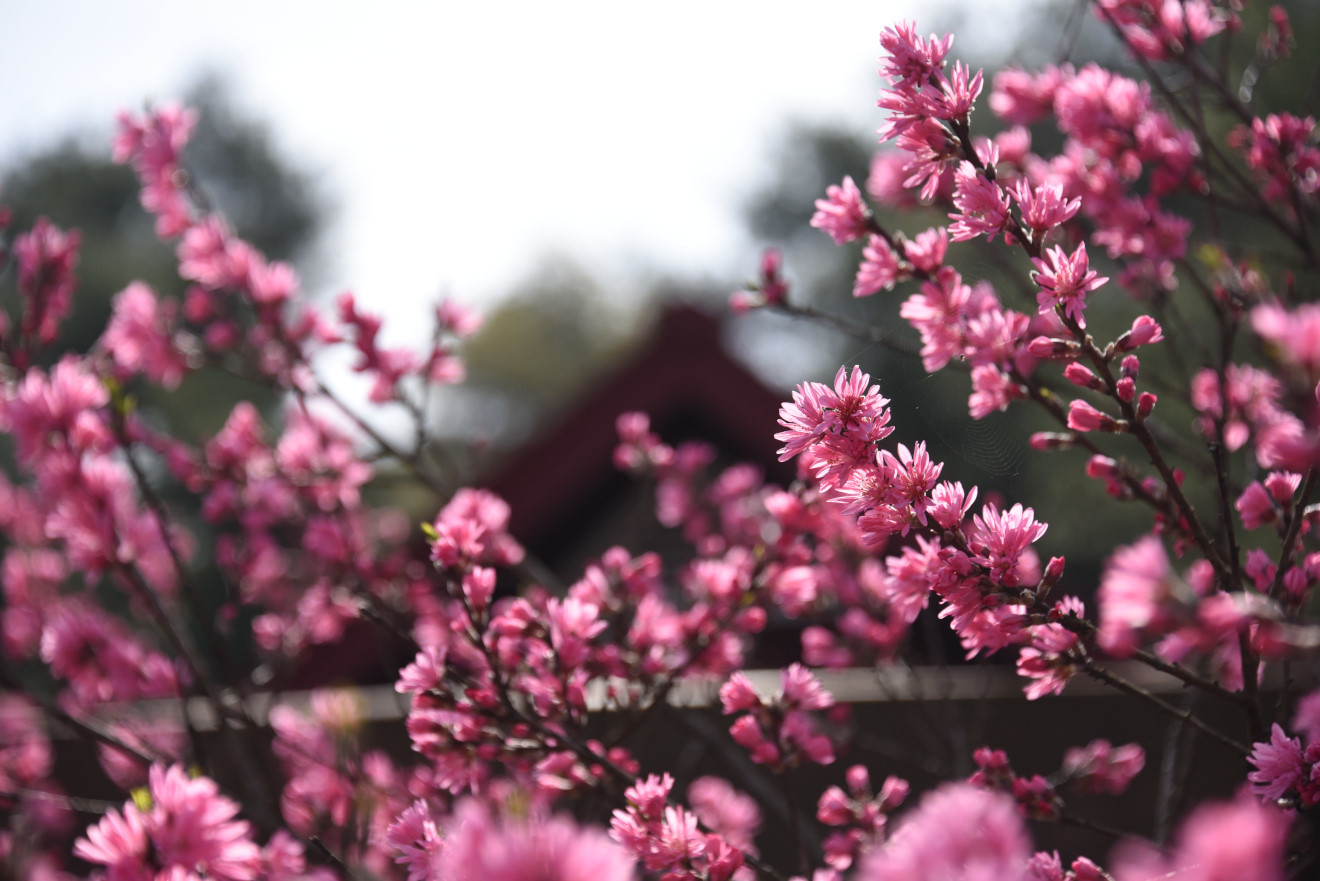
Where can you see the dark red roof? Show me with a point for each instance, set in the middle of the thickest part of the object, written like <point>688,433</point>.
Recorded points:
<point>692,390</point>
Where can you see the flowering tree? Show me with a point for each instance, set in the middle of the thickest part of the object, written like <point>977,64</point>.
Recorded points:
<point>525,695</point>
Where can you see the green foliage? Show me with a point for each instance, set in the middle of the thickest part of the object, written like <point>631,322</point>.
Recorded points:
<point>554,332</point>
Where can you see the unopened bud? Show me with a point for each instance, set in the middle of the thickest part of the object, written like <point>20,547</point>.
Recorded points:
<point>1145,404</point>
<point>1102,467</point>
<point>1053,349</point>
<point>1145,330</point>
<point>1127,389</point>
<point>1083,417</point>
<point>1051,440</point>
<point>859,781</point>
<point>742,302</point>
<point>1053,572</point>
<point>1081,375</point>
<point>893,793</point>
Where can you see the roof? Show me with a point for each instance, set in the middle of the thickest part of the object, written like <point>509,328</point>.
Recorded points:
<point>692,390</point>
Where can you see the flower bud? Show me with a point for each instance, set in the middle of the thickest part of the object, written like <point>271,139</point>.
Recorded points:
<point>1052,349</point>
<point>1081,375</point>
<point>859,781</point>
<point>1102,467</point>
<point>1083,417</point>
<point>1144,331</point>
<point>1051,440</point>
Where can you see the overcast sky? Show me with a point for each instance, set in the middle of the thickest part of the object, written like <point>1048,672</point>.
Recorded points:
<point>460,143</point>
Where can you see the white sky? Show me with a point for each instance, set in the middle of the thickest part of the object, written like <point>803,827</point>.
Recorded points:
<point>461,142</point>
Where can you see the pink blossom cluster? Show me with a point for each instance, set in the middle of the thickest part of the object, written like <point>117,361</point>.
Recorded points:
<point>861,817</point>
<point>139,567</point>
<point>779,732</point>
<point>1102,767</point>
<point>674,840</point>
<point>1034,795</point>
<point>1097,767</point>
<point>336,790</point>
<point>46,257</point>
<point>187,830</point>
<point>1286,767</point>
<point>983,568</point>
<point>1158,30</point>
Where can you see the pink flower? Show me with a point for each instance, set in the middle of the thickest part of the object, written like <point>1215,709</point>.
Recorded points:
<point>842,213</point>
<point>1279,765</point>
<point>1144,331</point>
<point>457,319</point>
<point>1102,767</point>
<point>884,184</point>
<point>140,337</point>
<point>192,825</point>
<point>1241,840</point>
<point>1134,592</point>
<point>425,673</point>
<point>211,256</point>
<point>189,828</point>
<point>927,251</point>
<point>1294,335</point>
<point>910,58</point>
<point>415,836</point>
<point>725,811</point>
<point>993,335</point>
<point>803,691</point>
<point>992,391</point>
<point>750,736</point>
<point>1045,866</point>
<point>1049,661</point>
<point>879,269</point>
<point>1081,375</point>
<point>957,94</point>
<point>480,847</point>
<point>959,833</point>
<point>1255,506</point>
<point>845,421</point>
<point>154,144</point>
<point>650,796</point>
<point>472,528</point>
<point>386,366</point>
<point>982,205</point>
<point>909,477</point>
<point>1065,280</point>
<point>834,807</point>
<point>1023,98</point>
<point>1000,539</point>
<point>573,624</point>
<point>1084,417</point>
<point>53,412</point>
<point>1281,150</point>
<point>949,503</point>
<point>1044,207</point>
<point>46,257</point>
<point>937,312</point>
<point>118,841</point>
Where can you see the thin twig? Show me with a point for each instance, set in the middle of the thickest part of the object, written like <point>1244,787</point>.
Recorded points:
<point>83,727</point>
<point>1095,670</point>
<point>1070,819</point>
